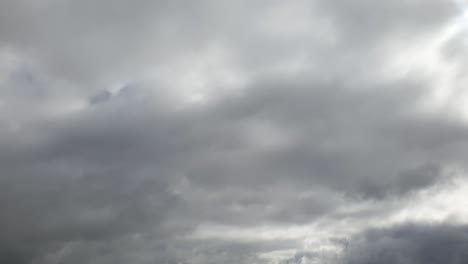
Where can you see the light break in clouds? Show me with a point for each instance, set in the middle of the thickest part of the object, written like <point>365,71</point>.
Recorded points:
<point>234,132</point>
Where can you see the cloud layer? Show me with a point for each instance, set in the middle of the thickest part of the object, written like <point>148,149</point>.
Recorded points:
<point>232,131</point>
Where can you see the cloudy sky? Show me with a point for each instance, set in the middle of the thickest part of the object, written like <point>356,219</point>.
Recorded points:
<point>233,132</point>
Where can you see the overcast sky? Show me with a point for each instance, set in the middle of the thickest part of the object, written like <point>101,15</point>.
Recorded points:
<point>233,132</point>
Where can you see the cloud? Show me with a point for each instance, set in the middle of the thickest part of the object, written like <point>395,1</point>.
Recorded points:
<point>240,132</point>
<point>410,243</point>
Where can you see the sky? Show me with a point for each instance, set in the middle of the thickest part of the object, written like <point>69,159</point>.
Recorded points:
<point>233,132</point>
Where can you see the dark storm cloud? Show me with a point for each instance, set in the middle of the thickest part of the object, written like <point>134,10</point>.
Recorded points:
<point>44,206</point>
<point>129,173</point>
<point>110,170</point>
<point>65,185</point>
<point>411,244</point>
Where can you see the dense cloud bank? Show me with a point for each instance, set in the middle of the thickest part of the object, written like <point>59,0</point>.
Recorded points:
<point>233,131</point>
<point>411,243</point>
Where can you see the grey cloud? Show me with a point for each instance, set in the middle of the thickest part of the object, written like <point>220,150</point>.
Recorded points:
<point>410,243</point>
<point>101,97</point>
<point>87,41</point>
<point>108,171</point>
<point>40,213</point>
<point>124,177</point>
<point>381,20</point>
<point>327,143</point>
<point>229,251</point>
